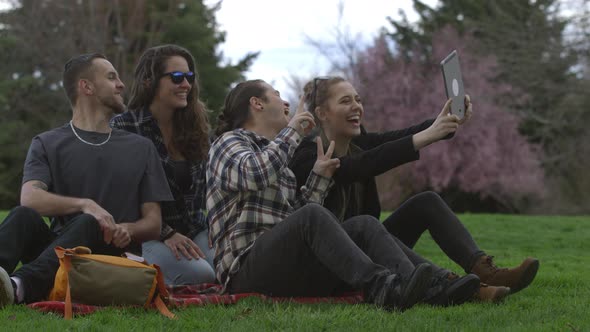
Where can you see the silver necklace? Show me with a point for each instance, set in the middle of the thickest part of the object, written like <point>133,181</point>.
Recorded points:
<point>89,143</point>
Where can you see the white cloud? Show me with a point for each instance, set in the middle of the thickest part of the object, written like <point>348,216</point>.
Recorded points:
<point>277,29</point>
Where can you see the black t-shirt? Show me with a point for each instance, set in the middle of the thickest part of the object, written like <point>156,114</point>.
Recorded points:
<point>182,174</point>
<point>119,175</point>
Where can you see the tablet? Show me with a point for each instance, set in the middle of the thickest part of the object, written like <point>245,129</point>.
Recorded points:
<point>454,83</point>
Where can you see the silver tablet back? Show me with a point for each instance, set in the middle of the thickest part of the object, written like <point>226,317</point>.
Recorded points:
<point>454,83</point>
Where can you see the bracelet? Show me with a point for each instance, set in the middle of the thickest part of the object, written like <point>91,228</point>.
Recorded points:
<point>167,236</point>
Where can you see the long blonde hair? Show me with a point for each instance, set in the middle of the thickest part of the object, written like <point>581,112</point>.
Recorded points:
<point>316,93</point>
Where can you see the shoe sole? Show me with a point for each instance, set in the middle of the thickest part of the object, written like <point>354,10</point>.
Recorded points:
<point>6,292</point>
<point>462,291</point>
<point>498,296</point>
<point>528,276</point>
<point>501,296</point>
<point>417,286</point>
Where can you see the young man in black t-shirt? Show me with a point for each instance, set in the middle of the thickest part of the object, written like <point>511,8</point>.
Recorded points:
<point>102,187</point>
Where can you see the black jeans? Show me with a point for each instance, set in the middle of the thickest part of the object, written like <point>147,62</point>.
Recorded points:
<point>311,254</point>
<point>427,211</point>
<point>24,237</point>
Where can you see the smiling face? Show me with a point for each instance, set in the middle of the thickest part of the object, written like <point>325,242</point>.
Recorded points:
<point>170,95</point>
<point>108,87</point>
<point>341,114</point>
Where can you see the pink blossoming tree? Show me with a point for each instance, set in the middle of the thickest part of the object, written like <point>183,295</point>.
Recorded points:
<point>487,157</point>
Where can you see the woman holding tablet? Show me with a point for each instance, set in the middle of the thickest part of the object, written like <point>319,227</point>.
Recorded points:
<point>338,112</point>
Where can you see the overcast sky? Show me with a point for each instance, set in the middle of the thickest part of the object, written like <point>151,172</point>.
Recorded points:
<point>277,29</point>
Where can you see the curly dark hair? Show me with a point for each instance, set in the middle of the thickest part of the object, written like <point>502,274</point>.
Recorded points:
<point>190,125</point>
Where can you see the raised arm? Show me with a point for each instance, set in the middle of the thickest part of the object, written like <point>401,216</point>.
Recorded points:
<point>369,140</point>
<point>387,150</point>
<point>359,166</point>
<point>397,152</point>
<point>366,164</point>
<point>235,165</point>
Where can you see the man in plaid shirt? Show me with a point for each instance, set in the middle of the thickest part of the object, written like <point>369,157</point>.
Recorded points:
<point>268,240</point>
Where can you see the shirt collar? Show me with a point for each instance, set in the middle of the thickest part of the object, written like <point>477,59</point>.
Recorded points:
<point>254,136</point>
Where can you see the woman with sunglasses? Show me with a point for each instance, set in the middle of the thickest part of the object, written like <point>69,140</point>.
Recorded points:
<point>164,106</point>
<point>338,112</point>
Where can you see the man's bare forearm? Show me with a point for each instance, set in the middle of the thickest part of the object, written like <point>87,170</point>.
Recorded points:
<point>34,195</point>
<point>148,227</point>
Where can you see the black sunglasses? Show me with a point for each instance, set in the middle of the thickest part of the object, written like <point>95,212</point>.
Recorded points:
<point>314,91</point>
<point>178,77</point>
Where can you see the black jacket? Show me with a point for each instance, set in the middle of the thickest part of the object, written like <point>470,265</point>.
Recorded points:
<point>379,152</point>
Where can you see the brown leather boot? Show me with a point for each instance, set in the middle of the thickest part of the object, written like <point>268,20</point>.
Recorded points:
<point>516,278</point>
<point>492,294</point>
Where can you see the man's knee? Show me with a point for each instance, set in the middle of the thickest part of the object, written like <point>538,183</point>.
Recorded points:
<point>200,272</point>
<point>314,214</point>
<point>427,198</point>
<point>314,217</point>
<point>316,211</point>
<point>25,215</point>
<point>313,208</point>
<point>85,221</point>
<point>25,212</point>
<point>361,223</point>
<point>363,228</point>
<point>82,230</point>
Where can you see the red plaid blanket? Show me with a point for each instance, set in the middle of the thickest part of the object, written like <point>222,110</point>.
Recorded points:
<point>200,295</point>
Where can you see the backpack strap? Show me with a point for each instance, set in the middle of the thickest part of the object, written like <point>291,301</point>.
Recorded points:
<point>68,302</point>
<point>162,291</point>
<point>161,306</point>
<point>64,256</point>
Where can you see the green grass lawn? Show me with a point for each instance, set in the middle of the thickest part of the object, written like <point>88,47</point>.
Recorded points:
<point>558,299</point>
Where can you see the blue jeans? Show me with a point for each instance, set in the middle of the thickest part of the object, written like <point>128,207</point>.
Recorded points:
<point>183,271</point>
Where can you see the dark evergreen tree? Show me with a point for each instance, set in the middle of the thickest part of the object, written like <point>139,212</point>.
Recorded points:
<point>38,36</point>
<point>529,40</point>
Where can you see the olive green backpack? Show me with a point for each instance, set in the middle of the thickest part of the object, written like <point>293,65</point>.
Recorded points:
<point>107,280</point>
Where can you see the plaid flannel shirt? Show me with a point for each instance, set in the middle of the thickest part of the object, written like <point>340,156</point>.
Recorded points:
<point>250,189</point>
<point>186,214</point>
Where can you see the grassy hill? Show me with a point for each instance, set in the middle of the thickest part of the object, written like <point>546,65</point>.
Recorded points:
<point>558,299</point>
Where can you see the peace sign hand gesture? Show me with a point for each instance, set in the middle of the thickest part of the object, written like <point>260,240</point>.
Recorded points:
<point>325,165</point>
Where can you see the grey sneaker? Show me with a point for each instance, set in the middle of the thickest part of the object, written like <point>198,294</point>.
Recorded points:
<point>398,293</point>
<point>6,289</point>
<point>451,290</point>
